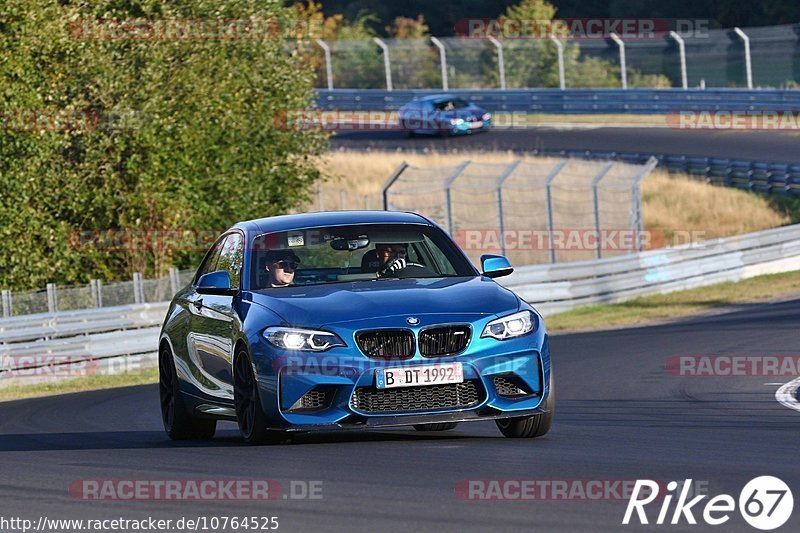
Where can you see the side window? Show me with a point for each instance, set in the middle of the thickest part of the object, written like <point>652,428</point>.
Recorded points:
<point>210,262</point>
<point>231,257</point>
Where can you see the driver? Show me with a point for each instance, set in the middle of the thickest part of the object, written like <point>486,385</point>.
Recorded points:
<point>391,258</point>
<point>281,265</point>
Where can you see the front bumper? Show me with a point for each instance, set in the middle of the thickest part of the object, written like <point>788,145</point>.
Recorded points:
<point>336,376</point>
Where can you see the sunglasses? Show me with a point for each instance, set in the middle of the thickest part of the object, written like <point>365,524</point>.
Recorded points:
<point>286,265</point>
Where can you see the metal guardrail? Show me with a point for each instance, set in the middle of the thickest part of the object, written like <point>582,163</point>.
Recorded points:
<point>575,101</point>
<point>557,288</point>
<point>758,176</point>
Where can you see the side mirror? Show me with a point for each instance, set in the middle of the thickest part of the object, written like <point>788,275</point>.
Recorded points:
<point>218,283</point>
<point>495,266</point>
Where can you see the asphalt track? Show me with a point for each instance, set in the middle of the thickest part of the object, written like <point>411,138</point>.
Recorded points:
<point>750,145</point>
<point>620,416</point>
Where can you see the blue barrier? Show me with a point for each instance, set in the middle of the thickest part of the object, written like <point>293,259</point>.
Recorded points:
<point>757,176</point>
<point>577,101</point>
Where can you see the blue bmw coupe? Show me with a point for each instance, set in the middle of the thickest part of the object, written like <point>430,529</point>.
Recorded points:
<point>350,320</point>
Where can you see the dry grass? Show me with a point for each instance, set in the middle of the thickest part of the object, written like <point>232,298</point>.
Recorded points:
<point>676,208</point>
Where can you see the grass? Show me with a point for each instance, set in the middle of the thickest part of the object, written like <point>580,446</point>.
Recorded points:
<point>676,304</point>
<point>144,377</point>
<point>674,207</point>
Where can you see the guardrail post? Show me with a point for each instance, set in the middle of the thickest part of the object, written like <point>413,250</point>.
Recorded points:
<point>549,199</point>
<point>52,298</point>
<point>443,61</point>
<point>595,184</point>
<point>138,289</point>
<point>501,61</point>
<point>393,178</point>
<point>748,66</point>
<point>499,197</point>
<point>387,65</point>
<point>622,68</point>
<point>174,280</point>
<point>682,51</point>
<point>328,62</point>
<point>560,49</point>
<point>637,220</point>
<point>6,297</point>
<point>448,185</point>
<point>97,295</point>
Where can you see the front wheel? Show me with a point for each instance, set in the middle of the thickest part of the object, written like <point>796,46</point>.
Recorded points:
<point>253,422</point>
<point>178,422</point>
<point>530,427</point>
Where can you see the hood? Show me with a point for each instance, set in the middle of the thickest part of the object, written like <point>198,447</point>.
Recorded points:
<point>319,305</point>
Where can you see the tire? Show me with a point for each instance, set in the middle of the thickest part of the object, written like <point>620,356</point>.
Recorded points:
<point>253,422</point>
<point>444,426</point>
<point>530,427</point>
<point>178,422</point>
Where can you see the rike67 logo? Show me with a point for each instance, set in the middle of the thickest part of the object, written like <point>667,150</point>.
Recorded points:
<point>765,503</point>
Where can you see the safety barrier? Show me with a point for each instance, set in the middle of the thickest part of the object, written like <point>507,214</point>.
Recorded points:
<point>576,101</point>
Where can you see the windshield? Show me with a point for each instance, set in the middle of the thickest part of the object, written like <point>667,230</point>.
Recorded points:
<point>354,253</point>
<point>449,105</point>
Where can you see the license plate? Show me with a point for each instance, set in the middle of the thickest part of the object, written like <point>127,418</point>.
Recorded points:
<point>414,376</point>
<point>476,125</point>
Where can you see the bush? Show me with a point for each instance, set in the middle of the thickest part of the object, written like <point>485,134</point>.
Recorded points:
<point>149,134</point>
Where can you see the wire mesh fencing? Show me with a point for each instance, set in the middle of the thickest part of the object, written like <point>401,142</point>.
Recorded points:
<point>716,58</point>
<point>553,210</point>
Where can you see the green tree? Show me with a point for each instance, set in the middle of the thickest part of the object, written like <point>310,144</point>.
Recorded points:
<point>159,134</point>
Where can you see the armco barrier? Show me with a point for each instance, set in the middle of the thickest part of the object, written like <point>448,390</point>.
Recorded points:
<point>550,288</point>
<point>560,287</point>
<point>576,101</point>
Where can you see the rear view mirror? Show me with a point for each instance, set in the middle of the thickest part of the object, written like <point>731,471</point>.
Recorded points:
<point>218,283</point>
<point>495,266</point>
<point>341,244</point>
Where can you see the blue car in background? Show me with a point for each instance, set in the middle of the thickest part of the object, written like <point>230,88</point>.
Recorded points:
<point>443,115</point>
<point>350,320</point>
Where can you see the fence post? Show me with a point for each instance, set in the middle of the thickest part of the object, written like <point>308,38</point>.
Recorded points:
<point>501,222</point>
<point>138,292</point>
<point>448,206</point>
<point>97,297</point>
<point>748,66</point>
<point>549,198</point>
<point>682,51</point>
<point>319,197</point>
<point>52,298</point>
<point>596,200</point>
<point>501,61</point>
<point>560,49</point>
<point>174,280</point>
<point>637,221</point>
<point>366,202</point>
<point>6,297</point>
<point>387,65</point>
<point>443,61</point>
<point>342,200</point>
<point>393,178</point>
<point>622,68</point>
<point>328,62</point>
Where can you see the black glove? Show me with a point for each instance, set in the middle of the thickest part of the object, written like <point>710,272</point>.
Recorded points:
<point>394,265</point>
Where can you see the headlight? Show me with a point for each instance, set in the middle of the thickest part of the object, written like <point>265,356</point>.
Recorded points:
<point>510,326</point>
<point>487,116</point>
<point>456,121</point>
<point>305,340</point>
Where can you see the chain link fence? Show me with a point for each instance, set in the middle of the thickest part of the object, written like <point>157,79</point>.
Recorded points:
<point>711,58</point>
<point>554,210</point>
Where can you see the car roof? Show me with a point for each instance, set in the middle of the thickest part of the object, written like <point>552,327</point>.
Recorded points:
<point>439,97</point>
<point>329,218</point>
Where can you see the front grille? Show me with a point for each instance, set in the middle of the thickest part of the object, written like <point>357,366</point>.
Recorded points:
<point>510,386</point>
<point>446,340</point>
<point>414,399</point>
<point>386,343</point>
